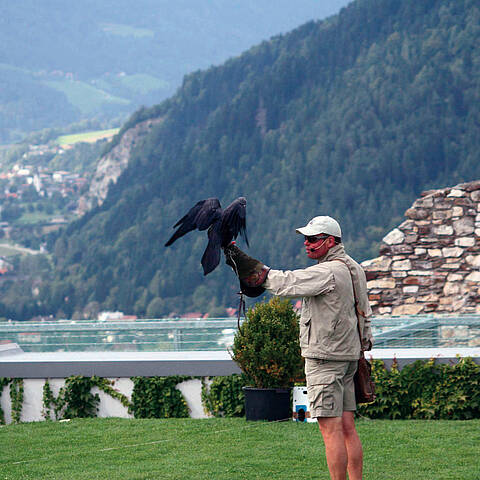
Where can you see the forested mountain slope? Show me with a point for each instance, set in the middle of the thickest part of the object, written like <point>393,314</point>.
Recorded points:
<point>351,117</point>
<point>61,62</point>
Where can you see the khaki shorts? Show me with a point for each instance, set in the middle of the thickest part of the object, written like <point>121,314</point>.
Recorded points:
<point>330,387</point>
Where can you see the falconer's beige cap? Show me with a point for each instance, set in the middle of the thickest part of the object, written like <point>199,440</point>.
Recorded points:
<point>322,224</point>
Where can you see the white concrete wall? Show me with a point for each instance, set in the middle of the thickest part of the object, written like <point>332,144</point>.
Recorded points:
<point>5,403</point>
<point>32,410</point>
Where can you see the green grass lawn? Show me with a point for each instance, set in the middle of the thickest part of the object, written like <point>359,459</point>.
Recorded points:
<point>9,250</point>
<point>84,96</point>
<point>86,136</point>
<point>232,449</point>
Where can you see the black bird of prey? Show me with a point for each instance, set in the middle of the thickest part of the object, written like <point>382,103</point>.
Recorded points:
<point>223,226</point>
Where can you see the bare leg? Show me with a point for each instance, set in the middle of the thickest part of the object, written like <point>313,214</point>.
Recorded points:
<point>353,446</point>
<point>335,449</point>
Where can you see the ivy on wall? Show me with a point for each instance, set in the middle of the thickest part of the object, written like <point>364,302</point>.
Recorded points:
<point>224,397</point>
<point>76,400</point>
<point>158,397</point>
<point>421,390</point>
<point>49,402</point>
<point>16,397</point>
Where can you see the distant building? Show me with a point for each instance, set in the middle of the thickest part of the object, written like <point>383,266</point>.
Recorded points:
<point>192,315</point>
<point>114,316</point>
<point>37,183</point>
<point>59,176</point>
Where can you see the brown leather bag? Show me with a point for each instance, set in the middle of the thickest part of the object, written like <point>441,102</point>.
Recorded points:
<point>364,386</point>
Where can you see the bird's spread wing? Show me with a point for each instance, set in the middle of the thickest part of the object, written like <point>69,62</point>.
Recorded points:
<point>201,216</point>
<point>208,213</point>
<point>234,221</point>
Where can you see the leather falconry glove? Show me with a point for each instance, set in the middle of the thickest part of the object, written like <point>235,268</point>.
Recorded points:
<point>250,271</point>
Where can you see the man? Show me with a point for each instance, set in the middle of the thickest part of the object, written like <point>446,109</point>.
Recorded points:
<point>329,336</point>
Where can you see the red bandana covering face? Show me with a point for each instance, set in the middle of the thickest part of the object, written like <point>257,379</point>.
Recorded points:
<point>316,250</point>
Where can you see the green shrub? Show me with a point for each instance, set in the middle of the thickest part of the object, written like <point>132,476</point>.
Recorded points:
<point>457,393</point>
<point>425,390</point>
<point>266,346</point>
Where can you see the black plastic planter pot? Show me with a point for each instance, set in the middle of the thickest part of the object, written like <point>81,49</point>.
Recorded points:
<point>267,403</point>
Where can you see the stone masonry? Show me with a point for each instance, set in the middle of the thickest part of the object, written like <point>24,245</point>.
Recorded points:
<point>431,262</point>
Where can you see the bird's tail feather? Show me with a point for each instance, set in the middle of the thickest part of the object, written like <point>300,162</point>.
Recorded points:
<point>211,256</point>
<point>243,233</point>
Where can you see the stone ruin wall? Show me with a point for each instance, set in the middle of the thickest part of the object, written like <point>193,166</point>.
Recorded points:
<point>431,262</point>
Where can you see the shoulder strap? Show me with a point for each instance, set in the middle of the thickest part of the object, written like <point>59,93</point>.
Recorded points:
<point>357,308</point>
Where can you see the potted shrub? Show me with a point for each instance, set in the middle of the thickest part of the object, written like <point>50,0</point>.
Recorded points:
<point>267,350</point>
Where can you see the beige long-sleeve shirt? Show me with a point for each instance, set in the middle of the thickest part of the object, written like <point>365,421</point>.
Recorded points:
<point>328,322</point>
